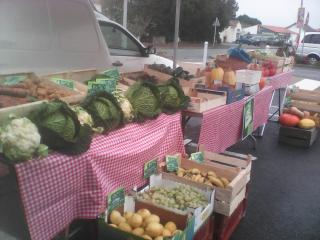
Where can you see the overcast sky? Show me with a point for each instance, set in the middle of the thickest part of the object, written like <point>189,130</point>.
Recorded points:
<point>280,13</point>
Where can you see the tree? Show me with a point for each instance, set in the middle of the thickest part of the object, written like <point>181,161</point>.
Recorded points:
<point>157,17</point>
<point>245,20</point>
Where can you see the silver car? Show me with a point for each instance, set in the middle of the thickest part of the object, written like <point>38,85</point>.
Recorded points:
<point>309,48</point>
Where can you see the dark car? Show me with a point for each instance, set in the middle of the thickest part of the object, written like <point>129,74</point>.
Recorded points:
<point>244,39</point>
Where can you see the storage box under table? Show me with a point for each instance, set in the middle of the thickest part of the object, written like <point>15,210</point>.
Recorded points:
<point>298,137</point>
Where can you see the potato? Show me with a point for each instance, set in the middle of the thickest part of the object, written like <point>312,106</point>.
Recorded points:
<point>212,174</point>
<point>195,171</point>
<point>216,181</point>
<point>224,181</point>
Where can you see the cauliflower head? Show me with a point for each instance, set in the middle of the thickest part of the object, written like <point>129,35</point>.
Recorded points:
<point>20,139</point>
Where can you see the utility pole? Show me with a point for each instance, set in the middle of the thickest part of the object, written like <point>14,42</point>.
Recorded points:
<point>300,25</point>
<point>176,33</point>
<point>125,13</point>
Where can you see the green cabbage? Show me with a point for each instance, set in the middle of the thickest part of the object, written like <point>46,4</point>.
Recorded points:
<point>145,100</point>
<point>60,128</point>
<point>104,109</point>
<point>172,96</point>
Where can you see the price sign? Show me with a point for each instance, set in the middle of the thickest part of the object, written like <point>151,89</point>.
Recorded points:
<point>110,84</point>
<point>150,168</point>
<point>112,73</point>
<point>64,82</point>
<point>247,118</point>
<point>95,87</point>
<point>116,199</point>
<point>197,157</point>
<point>172,163</point>
<point>14,79</point>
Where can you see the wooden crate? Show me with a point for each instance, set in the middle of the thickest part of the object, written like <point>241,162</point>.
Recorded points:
<point>22,110</point>
<point>76,75</point>
<point>298,137</point>
<point>238,171</point>
<point>203,100</point>
<point>306,100</point>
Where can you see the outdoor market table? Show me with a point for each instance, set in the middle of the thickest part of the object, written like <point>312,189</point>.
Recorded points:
<point>222,126</point>
<point>59,189</point>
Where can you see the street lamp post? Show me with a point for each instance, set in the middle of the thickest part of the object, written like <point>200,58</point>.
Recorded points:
<point>176,33</point>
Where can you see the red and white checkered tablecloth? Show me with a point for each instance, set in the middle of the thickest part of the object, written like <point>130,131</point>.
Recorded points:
<point>281,80</point>
<point>58,189</point>
<point>222,127</point>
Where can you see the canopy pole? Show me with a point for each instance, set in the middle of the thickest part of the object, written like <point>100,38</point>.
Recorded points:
<point>176,33</point>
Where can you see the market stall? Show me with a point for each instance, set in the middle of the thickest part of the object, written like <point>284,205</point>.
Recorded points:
<point>59,189</point>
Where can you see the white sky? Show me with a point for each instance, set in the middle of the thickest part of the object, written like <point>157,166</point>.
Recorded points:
<point>281,13</point>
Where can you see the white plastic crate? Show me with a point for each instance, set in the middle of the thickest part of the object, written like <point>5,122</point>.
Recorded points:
<point>250,77</point>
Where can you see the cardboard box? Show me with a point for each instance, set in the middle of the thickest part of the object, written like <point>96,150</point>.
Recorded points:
<point>232,94</point>
<point>200,214</point>
<point>183,223</point>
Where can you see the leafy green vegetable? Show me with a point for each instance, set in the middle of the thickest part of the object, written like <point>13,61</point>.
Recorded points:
<point>172,96</point>
<point>145,100</point>
<point>60,128</point>
<point>104,109</point>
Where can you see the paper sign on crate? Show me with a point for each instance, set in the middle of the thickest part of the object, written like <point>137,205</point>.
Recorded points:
<point>150,168</point>
<point>197,157</point>
<point>64,82</point>
<point>116,199</point>
<point>173,162</point>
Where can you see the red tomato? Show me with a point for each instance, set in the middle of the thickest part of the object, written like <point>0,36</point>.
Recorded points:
<point>272,71</point>
<point>262,83</point>
<point>289,120</point>
<point>265,72</point>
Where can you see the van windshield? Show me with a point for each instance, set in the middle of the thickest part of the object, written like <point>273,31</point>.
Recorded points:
<point>119,43</point>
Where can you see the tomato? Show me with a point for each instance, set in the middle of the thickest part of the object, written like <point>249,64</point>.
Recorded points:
<point>265,72</point>
<point>289,120</point>
<point>262,83</point>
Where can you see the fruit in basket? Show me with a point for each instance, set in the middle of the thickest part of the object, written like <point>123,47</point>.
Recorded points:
<point>180,197</point>
<point>229,77</point>
<point>150,219</point>
<point>159,238</point>
<point>147,237</point>
<point>171,226</point>
<point>306,124</point>
<point>144,213</point>
<point>154,229</point>
<point>135,220</point>
<point>125,227</point>
<point>217,74</point>
<point>289,120</point>
<point>138,231</point>
<point>116,218</point>
<point>128,215</point>
<point>166,233</point>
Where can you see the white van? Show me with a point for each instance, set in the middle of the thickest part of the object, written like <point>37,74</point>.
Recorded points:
<point>309,48</point>
<point>46,36</point>
<point>127,52</point>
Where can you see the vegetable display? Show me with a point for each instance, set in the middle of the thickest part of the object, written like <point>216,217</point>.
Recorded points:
<point>125,105</point>
<point>180,197</point>
<point>172,96</point>
<point>104,109</point>
<point>293,117</point>
<point>210,178</point>
<point>145,100</point>
<point>143,224</point>
<point>60,128</point>
<point>20,141</point>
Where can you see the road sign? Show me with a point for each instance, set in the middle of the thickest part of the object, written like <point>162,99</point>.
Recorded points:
<point>216,23</point>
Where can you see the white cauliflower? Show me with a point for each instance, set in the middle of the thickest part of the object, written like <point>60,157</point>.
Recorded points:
<point>127,109</point>
<point>20,139</point>
<point>83,116</point>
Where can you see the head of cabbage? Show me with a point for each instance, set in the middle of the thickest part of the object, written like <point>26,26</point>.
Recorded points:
<point>20,140</point>
<point>145,100</point>
<point>104,109</point>
<point>60,128</point>
<point>172,97</point>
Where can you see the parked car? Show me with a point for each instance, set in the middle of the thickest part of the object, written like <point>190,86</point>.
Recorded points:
<point>309,48</point>
<point>244,39</point>
<point>262,40</point>
<point>128,54</point>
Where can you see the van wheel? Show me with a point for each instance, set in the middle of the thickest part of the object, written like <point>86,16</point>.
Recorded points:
<point>313,59</point>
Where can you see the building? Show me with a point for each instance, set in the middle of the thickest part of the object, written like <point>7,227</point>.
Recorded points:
<point>231,33</point>
<point>250,30</point>
<point>281,32</point>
